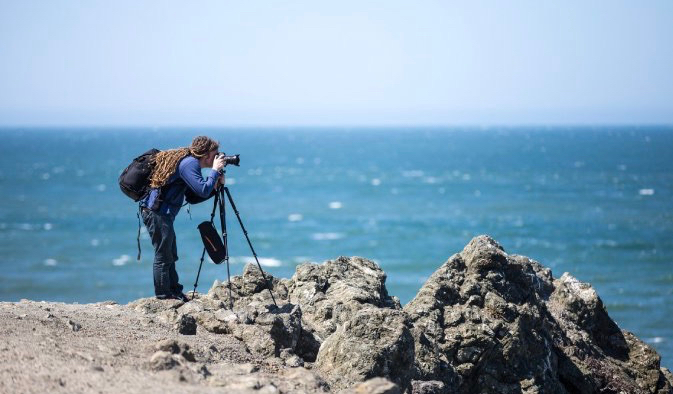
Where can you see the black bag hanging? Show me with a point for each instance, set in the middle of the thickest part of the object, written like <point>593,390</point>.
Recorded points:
<point>212,242</point>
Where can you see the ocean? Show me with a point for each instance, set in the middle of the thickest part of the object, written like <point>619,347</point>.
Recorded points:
<point>593,201</point>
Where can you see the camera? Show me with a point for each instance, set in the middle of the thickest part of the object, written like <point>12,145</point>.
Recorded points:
<point>233,160</point>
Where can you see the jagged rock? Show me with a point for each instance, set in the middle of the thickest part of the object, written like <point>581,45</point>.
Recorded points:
<point>271,330</point>
<point>488,322</point>
<point>485,321</point>
<point>427,387</point>
<point>376,342</point>
<point>331,293</point>
<point>266,329</point>
<point>186,325</point>
<point>249,289</point>
<point>593,351</point>
<point>374,386</point>
<point>469,321</point>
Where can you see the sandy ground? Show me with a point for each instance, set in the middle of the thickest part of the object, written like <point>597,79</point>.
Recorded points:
<point>109,348</point>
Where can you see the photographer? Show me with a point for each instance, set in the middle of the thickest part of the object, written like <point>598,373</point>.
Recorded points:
<point>176,176</point>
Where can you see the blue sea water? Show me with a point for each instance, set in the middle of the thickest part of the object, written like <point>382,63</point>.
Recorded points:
<point>595,202</point>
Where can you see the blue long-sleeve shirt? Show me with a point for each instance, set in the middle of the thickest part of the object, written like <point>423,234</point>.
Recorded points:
<point>187,179</point>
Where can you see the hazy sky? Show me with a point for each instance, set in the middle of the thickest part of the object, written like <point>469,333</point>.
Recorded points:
<point>335,63</point>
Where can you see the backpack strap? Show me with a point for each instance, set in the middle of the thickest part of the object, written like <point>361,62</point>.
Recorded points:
<point>138,239</point>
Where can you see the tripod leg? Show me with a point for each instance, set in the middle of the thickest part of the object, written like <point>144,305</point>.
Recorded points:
<point>238,216</point>
<point>203,254</point>
<point>223,223</point>
<point>196,283</point>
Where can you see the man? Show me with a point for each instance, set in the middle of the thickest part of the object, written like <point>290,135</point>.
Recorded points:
<point>176,175</point>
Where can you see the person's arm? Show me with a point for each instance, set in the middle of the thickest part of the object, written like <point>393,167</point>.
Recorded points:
<point>199,188</point>
<point>193,198</point>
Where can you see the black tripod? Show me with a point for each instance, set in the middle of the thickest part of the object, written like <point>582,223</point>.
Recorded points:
<point>219,203</point>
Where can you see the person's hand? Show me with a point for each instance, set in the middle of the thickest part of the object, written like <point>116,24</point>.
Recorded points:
<point>218,163</point>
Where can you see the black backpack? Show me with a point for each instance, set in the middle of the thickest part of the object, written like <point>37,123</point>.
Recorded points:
<point>135,179</point>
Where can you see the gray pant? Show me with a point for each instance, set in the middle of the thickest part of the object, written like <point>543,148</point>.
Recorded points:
<point>161,232</point>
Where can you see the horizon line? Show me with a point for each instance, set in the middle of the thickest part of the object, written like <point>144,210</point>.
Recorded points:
<point>504,125</point>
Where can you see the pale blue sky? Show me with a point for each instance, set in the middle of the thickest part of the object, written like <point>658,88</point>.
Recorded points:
<point>335,63</point>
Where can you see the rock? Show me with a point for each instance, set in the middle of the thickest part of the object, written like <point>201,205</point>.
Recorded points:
<point>250,288</point>
<point>163,360</point>
<point>301,380</point>
<point>271,330</point>
<point>331,293</point>
<point>376,342</point>
<point>210,322</point>
<point>172,346</point>
<point>153,305</point>
<point>193,307</point>
<point>593,351</point>
<point>666,384</point>
<point>74,325</point>
<point>294,361</point>
<point>427,387</point>
<point>186,325</point>
<point>487,321</point>
<point>308,345</point>
<point>373,386</point>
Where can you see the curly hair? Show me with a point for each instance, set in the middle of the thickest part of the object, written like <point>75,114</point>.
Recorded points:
<point>166,162</point>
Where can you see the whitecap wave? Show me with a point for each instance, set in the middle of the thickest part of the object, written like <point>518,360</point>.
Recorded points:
<point>121,260</point>
<point>646,192</point>
<point>50,262</point>
<point>295,217</point>
<point>265,261</point>
<point>326,236</point>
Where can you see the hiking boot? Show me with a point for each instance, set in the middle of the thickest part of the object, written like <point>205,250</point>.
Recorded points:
<point>181,296</point>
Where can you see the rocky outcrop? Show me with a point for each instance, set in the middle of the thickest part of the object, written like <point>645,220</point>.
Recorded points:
<point>484,322</point>
<point>374,342</point>
<point>330,294</point>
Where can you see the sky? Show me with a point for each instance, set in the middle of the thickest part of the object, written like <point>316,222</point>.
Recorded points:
<point>320,63</point>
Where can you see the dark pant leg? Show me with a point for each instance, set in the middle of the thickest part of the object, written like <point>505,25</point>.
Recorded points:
<point>176,287</point>
<point>160,229</point>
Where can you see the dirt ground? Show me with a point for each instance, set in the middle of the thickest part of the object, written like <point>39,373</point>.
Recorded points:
<point>111,348</point>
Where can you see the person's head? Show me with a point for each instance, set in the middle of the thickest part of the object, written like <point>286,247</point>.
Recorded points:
<point>204,149</point>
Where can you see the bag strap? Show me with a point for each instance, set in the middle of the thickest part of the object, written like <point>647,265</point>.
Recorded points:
<point>138,239</point>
